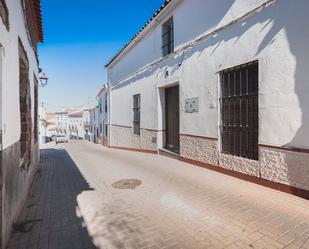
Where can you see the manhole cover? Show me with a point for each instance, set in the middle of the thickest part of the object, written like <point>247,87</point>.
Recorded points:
<point>127,184</point>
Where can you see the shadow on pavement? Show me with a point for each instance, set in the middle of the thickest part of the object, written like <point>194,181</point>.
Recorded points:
<point>51,216</point>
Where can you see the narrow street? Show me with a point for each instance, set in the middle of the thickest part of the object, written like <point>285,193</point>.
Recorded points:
<point>89,196</point>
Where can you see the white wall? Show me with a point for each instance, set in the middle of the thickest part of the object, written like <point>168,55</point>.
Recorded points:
<point>208,15</point>
<point>278,37</point>
<point>10,68</point>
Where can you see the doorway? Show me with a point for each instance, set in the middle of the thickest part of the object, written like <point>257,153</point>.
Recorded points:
<point>172,118</point>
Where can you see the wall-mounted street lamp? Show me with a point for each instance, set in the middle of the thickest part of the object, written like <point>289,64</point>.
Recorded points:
<point>43,79</point>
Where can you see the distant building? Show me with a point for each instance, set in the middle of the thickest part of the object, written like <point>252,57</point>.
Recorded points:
<point>70,123</point>
<point>62,123</point>
<point>103,110</point>
<point>20,32</point>
<point>86,123</point>
<point>94,124</point>
<point>223,84</point>
<point>76,125</point>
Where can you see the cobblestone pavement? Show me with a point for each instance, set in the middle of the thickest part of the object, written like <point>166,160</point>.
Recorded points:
<point>76,202</point>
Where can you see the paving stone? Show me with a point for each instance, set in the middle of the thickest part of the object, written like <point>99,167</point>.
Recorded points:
<point>177,205</point>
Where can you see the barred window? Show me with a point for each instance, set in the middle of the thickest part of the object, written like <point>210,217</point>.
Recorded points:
<point>239,111</point>
<point>136,113</point>
<point>168,37</point>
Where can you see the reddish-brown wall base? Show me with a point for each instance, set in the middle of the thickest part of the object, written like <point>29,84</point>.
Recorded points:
<point>278,186</point>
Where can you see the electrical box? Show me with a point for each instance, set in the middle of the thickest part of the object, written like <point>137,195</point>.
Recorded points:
<point>192,105</point>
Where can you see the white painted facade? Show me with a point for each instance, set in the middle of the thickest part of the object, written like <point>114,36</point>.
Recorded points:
<point>62,123</point>
<point>103,106</point>
<point>9,77</point>
<point>94,124</point>
<point>86,123</point>
<point>210,36</point>
<point>76,126</point>
<point>20,31</point>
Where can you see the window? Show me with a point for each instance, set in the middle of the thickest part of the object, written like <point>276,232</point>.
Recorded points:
<point>100,105</point>
<point>105,102</point>
<point>106,130</point>
<point>4,14</point>
<point>101,128</point>
<point>239,111</point>
<point>136,114</point>
<point>168,37</point>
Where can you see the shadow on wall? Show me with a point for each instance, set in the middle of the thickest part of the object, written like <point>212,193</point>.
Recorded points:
<point>282,18</point>
<point>288,18</point>
<point>50,217</point>
<point>291,18</point>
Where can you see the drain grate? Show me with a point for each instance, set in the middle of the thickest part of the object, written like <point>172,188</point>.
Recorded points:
<point>127,184</point>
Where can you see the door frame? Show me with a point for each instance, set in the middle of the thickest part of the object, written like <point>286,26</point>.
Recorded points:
<point>161,132</point>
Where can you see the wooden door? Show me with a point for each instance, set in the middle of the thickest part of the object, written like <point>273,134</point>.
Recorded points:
<point>172,118</point>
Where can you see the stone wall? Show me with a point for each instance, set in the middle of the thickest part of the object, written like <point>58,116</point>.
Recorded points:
<point>16,183</point>
<point>199,149</point>
<point>124,137</point>
<point>284,166</point>
<point>275,164</point>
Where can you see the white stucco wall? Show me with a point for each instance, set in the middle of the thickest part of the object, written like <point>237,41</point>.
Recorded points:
<point>102,114</point>
<point>277,37</point>
<point>10,114</point>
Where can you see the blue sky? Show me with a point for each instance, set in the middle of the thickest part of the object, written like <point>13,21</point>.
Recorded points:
<point>80,37</point>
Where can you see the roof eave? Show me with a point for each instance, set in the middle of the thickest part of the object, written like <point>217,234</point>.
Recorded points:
<point>128,45</point>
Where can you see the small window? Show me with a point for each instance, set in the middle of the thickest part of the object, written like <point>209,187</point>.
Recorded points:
<point>168,37</point>
<point>101,128</point>
<point>105,102</point>
<point>239,111</point>
<point>100,105</point>
<point>4,14</point>
<point>136,113</point>
<point>106,130</point>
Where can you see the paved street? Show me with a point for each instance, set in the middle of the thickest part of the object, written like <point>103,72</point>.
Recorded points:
<point>77,201</point>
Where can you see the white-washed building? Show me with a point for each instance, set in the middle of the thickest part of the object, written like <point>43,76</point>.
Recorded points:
<point>20,32</point>
<point>76,125</point>
<point>102,98</point>
<point>62,123</point>
<point>86,123</point>
<point>222,84</point>
<point>94,124</point>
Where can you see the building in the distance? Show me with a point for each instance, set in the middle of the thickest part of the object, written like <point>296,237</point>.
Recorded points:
<point>20,32</point>
<point>62,123</point>
<point>103,106</point>
<point>94,124</point>
<point>76,125</point>
<point>86,123</point>
<point>223,84</point>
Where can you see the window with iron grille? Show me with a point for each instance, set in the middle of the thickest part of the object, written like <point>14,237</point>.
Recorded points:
<point>168,37</point>
<point>239,111</point>
<point>136,113</point>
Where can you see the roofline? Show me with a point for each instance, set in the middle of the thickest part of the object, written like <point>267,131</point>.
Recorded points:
<point>104,87</point>
<point>39,19</point>
<point>138,34</point>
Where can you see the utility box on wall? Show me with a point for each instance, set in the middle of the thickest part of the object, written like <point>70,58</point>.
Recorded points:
<point>192,105</point>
